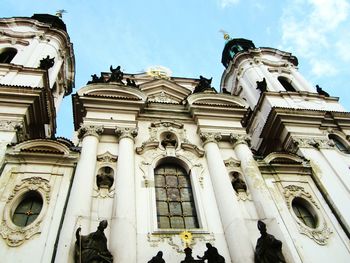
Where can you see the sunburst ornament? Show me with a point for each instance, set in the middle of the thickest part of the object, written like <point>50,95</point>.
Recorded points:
<point>186,237</point>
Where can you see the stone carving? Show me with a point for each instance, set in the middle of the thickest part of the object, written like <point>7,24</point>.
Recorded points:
<point>320,235</point>
<point>12,234</point>
<point>131,83</point>
<point>10,125</point>
<point>268,249</point>
<point>162,97</point>
<point>320,91</point>
<point>189,258</point>
<point>96,79</point>
<point>318,143</point>
<point>169,140</point>
<point>107,157</point>
<point>236,139</point>
<point>105,178</point>
<point>92,247</point>
<point>212,255</point>
<point>90,130</point>
<point>292,191</point>
<point>238,184</point>
<point>158,258</point>
<point>126,133</point>
<point>207,137</point>
<point>116,75</point>
<point>261,85</point>
<point>204,85</point>
<point>47,63</point>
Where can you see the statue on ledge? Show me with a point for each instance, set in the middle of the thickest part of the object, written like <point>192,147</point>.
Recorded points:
<point>92,248</point>
<point>116,75</point>
<point>203,85</point>
<point>261,85</point>
<point>158,258</point>
<point>268,248</point>
<point>320,91</point>
<point>189,258</point>
<point>47,63</point>
<point>212,255</point>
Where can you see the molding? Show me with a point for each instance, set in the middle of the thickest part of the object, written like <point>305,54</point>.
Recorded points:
<point>12,234</point>
<point>295,143</point>
<point>90,130</point>
<point>107,157</point>
<point>130,133</point>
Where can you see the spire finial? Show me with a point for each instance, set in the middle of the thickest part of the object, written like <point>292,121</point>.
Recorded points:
<point>226,35</point>
<point>60,13</point>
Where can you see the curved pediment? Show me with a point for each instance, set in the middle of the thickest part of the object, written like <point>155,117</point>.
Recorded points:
<point>164,91</point>
<point>43,146</point>
<point>108,90</point>
<point>213,99</point>
<point>283,158</point>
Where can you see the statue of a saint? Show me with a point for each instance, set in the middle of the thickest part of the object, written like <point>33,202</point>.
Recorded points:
<point>158,258</point>
<point>238,184</point>
<point>204,85</point>
<point>169,141</point>
<point>92,247</point>
<point>116,75</point>
<point>189,258</point>
<point>212,255</point>
<point>268,248</point>
<point>261,85</point>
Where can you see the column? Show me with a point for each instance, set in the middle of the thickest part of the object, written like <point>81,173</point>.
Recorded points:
<point>256,185</point>
<point>79,205</point>
<point>236,234</point>
<point>123,225</point>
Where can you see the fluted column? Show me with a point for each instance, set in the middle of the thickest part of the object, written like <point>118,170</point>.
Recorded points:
<point>254,180</point>
<point>123,226</point>
<point>79,205</point>
<point>236,233</point>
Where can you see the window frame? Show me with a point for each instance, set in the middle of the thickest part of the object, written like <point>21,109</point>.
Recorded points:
<point>8,49</point>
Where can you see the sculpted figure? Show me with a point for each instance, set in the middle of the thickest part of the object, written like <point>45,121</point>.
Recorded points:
<point>168,141</point>
<point>131,83</point>
<point>105,179</point>
<point>321,91</point>
<point>47,63</point>
<point>189,258</point>
<point>212,255</point>
<point>238,184</point>
<point>204,84</point>
<point>261,85</point>
<point>268,248</point>
<point>117,75</point>
<point>92,248</point>
<point>158,258</point>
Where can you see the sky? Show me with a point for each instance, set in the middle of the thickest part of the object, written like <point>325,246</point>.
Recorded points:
<point>184,36</point>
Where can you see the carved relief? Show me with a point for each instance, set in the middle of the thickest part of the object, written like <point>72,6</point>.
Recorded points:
<point>13,234</point>
<point>107,157</point>
<point>318,143</point>
<point>322,232</point>
<point>90,130</point>
<point>162,98</point>
<point>240,138</point>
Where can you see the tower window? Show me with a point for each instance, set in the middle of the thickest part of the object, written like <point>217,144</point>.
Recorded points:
<point>28,209</point>
<point>7,54</point>
<point>175,203</point>
<point>341,146</point>
<point>303,213</point>
<point>286,84</point>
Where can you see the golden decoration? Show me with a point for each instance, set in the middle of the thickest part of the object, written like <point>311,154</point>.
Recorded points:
<point>186,237</point>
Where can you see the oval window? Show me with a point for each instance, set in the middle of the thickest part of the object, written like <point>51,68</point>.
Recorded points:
<point>304,212</point>
<point>28,209</point>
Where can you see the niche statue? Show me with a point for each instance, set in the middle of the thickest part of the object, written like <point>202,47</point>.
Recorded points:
<point>268,248</point>
<point>189,258</point>
<point>158,258</point>
<point>92,248</point>
<point>212,255</point>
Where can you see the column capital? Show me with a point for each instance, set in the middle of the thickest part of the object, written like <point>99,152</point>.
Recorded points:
<point>318,143</point>
<point>126,133</point>
<point>210,137</point>
<point>90,130</point>
<point>236,139</point>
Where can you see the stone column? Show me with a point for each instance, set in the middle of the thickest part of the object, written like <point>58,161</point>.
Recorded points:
<point>79,205</point>
<point>123,226</point>
<point>236,234</point>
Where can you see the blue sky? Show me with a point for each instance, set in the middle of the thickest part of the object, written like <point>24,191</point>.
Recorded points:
<point>183,35</point>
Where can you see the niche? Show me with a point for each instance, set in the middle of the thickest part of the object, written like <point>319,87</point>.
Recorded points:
<point>105,178</point>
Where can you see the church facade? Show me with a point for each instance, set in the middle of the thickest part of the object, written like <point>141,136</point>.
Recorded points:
<point>161,163</point>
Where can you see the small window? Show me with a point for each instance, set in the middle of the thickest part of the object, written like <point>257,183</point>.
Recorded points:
<point>175,203</point>
<point>303,212</point>
<point>286,84</point>
<point>28,209</point>
<point>7,54</point>
<point>341,147</point>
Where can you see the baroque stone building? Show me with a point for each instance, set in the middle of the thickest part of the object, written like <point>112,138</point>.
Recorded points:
<point>169,162</point>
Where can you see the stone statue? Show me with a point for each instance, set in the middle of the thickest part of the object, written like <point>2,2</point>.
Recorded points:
<point>105,179</point>
<point>268,248</point>
<point>168,141</point>
<point>131,83</point>
<point>117,75</point>
<point>212,255</point>
<point>261,85</point>
<point>158,258</point>
<point>92,248</point>
<point>321,91</point>
<point>203,85</point>
<point>189,258</point>
<point>96,79</point>
<point>47,63</point>
<point>238,184</point>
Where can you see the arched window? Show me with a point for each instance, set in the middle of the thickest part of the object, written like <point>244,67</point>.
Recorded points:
<point>28,209</point>
<point>286,84</point>
<point>338,143</point>
<point>174,197</point>
<point>7,54</point>
<point>303,212</point>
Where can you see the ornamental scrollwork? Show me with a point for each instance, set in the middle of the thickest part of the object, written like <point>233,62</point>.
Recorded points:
<point>318,143</point>
<point>239,139</point>
<point>207,137</point>
<point>319,235</point>
<point>292,191</point>
<point>90,130</point>
<point>12,234</point>
<point>130,133</point>
<point>107,157</point>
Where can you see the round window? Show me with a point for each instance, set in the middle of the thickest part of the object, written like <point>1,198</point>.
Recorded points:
<point>28,209</point>
<point>304,211</point>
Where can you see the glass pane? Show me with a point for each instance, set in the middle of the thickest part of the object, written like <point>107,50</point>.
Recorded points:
<point>169,170</point>
<point>162,208</point>
<point>309,221</point>
<point>175,208</point>
<point>171,180</point>
<point>184,181</point>
<point>36,206</point>
<point>173,194</point>
<point>19,219</point>
<point>191,222</point>
<point>177,222</point>
<point>163,222</point>
<point>180,171</point>
<point>161,194</point>
<point>186,194</point>
<point>160,180</point>
<point>188,209</point>
<point>31,218</point>
<point>24,206</point>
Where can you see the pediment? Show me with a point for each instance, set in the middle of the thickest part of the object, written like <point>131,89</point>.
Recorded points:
<point>43,146</point>
<point>164,91</point>
<point>213,99</point>
<point>283,158</point>
<point>107,90</point>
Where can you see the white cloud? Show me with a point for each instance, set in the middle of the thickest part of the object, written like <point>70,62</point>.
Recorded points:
<point>226,3</point>
<point>310,27</point>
